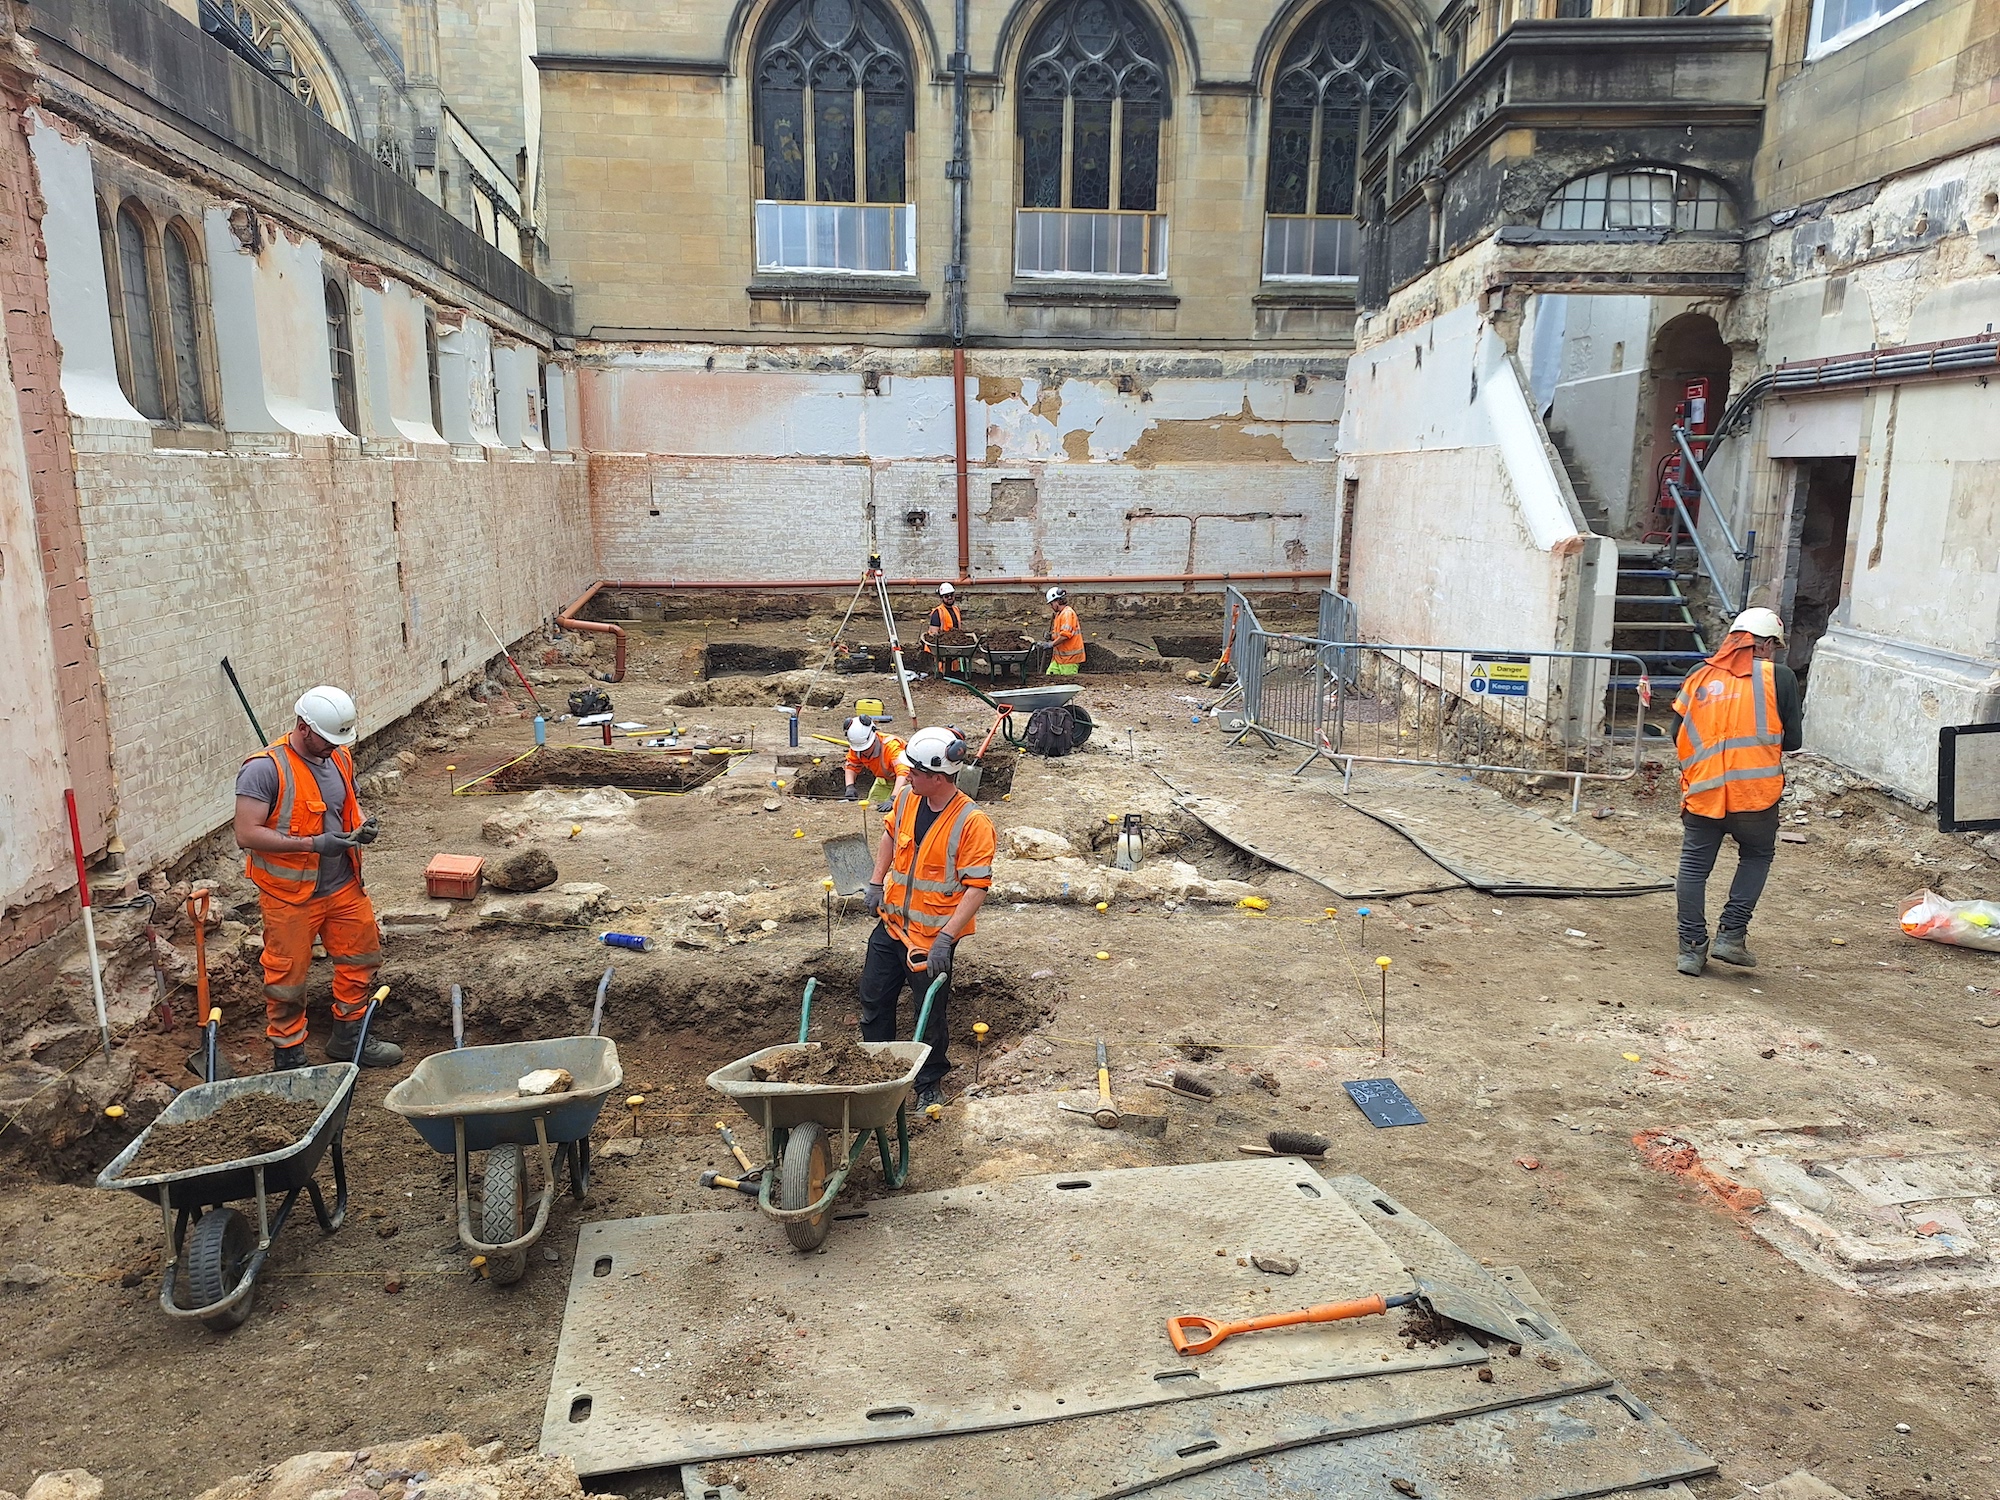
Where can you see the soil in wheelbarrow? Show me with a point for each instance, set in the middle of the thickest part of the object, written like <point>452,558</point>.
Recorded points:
<point>247,1125</point>
<point>956,640</point>
<point>839,1062</point>
<point>1005,640</point>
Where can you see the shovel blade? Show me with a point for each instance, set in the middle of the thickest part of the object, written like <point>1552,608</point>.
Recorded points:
<point>1480,1310</point>
<point>850,862</point>
<point>968,780</point>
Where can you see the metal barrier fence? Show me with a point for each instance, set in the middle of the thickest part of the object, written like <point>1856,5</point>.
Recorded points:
<point>1469,708</point>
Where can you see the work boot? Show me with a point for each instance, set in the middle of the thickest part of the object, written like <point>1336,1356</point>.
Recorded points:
<point>1693,956</point>
<point>377,1054</point>
<point>1729,948</point>
<point>285,1058</point>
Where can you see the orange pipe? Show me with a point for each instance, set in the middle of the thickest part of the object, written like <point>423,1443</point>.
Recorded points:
<point>958,419</point>
<point>570,619</point>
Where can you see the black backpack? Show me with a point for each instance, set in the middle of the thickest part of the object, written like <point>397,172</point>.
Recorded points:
<point>589,701</point>
<point>1051,731</point>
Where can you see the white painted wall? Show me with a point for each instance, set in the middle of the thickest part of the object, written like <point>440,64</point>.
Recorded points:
<point>398,363</point>
<point>79,298</point>
<point>1462,532</point>
<point>34,830</point>
<point>465,385</point>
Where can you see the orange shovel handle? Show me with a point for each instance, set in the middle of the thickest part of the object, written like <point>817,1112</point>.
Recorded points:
<point>1197,1335</point>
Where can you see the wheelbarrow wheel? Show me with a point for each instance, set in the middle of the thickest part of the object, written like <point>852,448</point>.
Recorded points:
<point>1081,724</point>
<point>500,1212</point>
<point>801,1179</point>
<point>218,1246</point>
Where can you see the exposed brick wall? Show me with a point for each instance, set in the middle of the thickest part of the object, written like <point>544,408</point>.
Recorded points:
<point>302,566</point>
<point>26,926</point>
<point>35,360</point>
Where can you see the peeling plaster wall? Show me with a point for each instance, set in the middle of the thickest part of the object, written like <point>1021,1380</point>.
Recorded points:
<point>1915,644</point>
<point>1463,533</point>
<point>714,463</point>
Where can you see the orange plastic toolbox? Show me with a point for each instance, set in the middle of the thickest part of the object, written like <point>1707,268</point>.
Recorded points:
<point>453,877</point>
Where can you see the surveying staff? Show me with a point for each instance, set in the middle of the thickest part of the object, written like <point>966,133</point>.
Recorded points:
<point>947,616</point>
<point>879,756</point>
<point>299,824</point>
<point>1065,635</point>
<point>932,872</point>
<point>1734,717</point>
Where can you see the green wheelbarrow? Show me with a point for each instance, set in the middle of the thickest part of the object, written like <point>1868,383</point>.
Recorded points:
<point>799,1180</point>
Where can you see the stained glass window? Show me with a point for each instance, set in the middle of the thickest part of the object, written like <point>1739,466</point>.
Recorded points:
<point>1093,98</point>
<point>833,104</point>
<point>135,285</point>
<point>183,314</point>
<point>1340,82</point>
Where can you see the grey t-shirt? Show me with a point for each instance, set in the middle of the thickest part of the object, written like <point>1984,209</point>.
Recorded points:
<point>259,779</point>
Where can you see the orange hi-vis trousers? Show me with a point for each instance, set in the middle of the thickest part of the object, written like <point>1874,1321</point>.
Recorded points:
<point>345,922</point>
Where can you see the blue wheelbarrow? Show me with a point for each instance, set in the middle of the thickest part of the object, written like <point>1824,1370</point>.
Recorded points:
<point>467,1100</point>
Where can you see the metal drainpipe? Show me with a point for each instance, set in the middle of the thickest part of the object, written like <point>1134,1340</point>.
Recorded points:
<point>959,171</point>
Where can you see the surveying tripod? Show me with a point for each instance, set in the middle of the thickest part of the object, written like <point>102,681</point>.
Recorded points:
<point>871,577</point>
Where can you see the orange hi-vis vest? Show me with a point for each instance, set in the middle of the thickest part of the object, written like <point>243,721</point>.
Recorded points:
<point>947,617</point>
<point>885,762</point>
<point>923,885</point>
<point>1068,636</point>
<point>300,811</point>
<point>1731,740</point>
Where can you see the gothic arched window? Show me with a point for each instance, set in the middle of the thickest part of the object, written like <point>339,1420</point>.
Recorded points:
<point>834,114</point>
<point>1339,84</point>
<point>1093,92</point>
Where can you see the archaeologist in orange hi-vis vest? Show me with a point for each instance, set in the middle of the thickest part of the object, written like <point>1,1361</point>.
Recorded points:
<point>1734,717</point>
<point>1065,635</point>
<point>932,871</point>
<point>299,824</point>
<point>877,756</point>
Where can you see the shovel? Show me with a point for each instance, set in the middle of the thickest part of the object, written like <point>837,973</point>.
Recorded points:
<point>850,861</point>
<point>969,776</point>
<point>208,1064</point>
<point>1198,1335</point>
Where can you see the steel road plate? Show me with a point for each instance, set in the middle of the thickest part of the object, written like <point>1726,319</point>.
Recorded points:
<point>704,1335</point>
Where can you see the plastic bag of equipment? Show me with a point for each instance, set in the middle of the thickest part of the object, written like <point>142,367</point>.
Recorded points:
<point>589,701</point>
<point>1964,924</point>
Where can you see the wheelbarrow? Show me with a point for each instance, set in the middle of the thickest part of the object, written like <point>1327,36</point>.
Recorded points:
<point>467,1100</point>
<point>1019,662</point>
<point>212,1248</point>
<point>799,1120</point>
<point>1006,702</point>
<point>950,658</point>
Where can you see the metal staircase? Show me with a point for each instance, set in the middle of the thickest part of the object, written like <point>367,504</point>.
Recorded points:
<point>1651,620</point>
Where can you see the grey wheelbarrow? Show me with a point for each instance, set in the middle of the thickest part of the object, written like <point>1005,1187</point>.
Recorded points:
<point>468,1099</point>
<point>800,1179</point>
<point>211,1250</point>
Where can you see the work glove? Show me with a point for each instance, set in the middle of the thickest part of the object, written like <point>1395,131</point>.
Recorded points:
<point>368,832</point>
<point>333,841</point>
<point>873,899</point>
<point>853,792</point>
<point>937,964</point>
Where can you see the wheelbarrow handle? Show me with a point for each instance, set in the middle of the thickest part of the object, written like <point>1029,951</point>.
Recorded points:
<point>806,1006</point>
<point>457,1018</point>
<point>924,1015</point>
<point>368,1015</point>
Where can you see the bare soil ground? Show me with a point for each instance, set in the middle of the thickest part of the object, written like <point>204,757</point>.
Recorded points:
<point>1513,1024</point>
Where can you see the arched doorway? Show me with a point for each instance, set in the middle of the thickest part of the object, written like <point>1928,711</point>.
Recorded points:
<point>1687,349</point>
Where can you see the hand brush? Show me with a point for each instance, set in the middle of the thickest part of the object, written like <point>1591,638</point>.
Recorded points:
<point>1290,1143</point>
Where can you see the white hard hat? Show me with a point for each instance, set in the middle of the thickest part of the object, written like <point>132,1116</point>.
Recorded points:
<point>935,750</point>
<point>860,733</point>
<point>331,714</point>
<point>1055,594</point>
<point>945,591</point>
<point>1760,622</point>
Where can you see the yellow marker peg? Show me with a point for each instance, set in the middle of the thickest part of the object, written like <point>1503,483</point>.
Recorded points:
<point>1254,903</point>
<point>1104,906</point>
<point>1332,912</point>
<point>798,833</point>
<point>575,829</point>
<point>1103,955</point>
<point>114,1111</point>
<point>826,882</point>
<point>1629,1056</point>
<point>479,1265</point>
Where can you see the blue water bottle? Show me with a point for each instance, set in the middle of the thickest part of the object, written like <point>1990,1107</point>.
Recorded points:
<point>541,730</point>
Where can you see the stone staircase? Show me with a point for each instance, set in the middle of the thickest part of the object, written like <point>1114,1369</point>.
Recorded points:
<point>1579,482</point>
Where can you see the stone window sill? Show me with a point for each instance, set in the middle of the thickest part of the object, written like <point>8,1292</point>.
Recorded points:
<point>891,289</point>
<point>1069,293</point>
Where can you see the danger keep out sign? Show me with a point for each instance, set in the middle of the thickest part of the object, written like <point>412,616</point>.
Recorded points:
<point>1500,676</point>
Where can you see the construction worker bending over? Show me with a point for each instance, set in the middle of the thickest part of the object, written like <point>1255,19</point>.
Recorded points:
<point>299,823</point>
<point>1734,717</point>
<point>877,756</point>
<point>932,872</point>
<point>947,616</point>
<point>1065,635</point>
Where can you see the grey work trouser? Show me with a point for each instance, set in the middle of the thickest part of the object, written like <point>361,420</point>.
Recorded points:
<point>1756,835</point>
